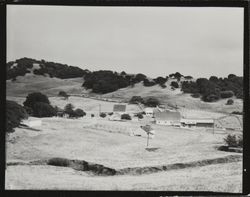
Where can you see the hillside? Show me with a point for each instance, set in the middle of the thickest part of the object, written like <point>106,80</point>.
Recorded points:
<point>28,75</point>
<point>23,85</point>
<point>22,66</point>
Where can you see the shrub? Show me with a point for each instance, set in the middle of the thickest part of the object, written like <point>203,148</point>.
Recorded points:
<point>226,94</point>
<point>139,115</point>
<point>188,77</point>
<point>103,115</point>
<point>237,112</point>
<point>63,94</point>
<point>136,99</point>
<point>43,110</point>
<point>148,83</point>
<point>125,117</point>
<point>35,97</point>
<point>163,85</point>
<point>79,113</point>
<point>152,102</point>
<point>160,80</point>
<point>174,84</point>
<point>233,141</point>
<point>240,141</point>
<point>210,98</point>
<point>29,110</point>
<point>110,113</point>
<point>69,108</point>
<point>195,95</point>
<point>14,114</point>
<point>229,102</point>
<point>59,162</point>
<point>92,115</point>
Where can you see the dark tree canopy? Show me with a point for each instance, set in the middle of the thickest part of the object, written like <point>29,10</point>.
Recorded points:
<point>53,69</point>
<point>174,84</point>
<point>15,113</point>
<point>43,110</point>
<point>125,117</point>
<point>152,102</point>
<point>215,88</point>
<point>148,83</point>
<point>136,99</point>
<point>35,97</point>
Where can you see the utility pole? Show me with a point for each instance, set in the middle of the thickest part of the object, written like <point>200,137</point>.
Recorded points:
<point>147,139</point>
<point>99,109</point>
<point>213,126</point>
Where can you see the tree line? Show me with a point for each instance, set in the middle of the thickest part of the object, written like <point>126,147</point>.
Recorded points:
<point>214,88</point>
<point>62,71</point>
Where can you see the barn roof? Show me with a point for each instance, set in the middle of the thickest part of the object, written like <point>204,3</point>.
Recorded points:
<point>168,115</point>
<point>119,108</point>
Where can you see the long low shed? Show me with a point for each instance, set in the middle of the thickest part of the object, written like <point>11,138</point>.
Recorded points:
<point>197,122</point>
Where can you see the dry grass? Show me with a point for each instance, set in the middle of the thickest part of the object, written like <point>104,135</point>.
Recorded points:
<point>69,139</point>
<point>216,178</point>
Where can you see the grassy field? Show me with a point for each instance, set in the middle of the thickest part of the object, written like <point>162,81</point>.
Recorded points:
<point>208,178</point>
<point>59,137</point>
<point>109,143</point>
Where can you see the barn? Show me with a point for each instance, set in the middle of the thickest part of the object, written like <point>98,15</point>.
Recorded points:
<point>168,118</point>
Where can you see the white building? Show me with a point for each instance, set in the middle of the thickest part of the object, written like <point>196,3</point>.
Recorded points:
<point>170,118</point>
<point>197,122</point>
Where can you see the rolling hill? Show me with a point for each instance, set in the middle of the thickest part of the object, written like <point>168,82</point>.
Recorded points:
<point>52,81</point>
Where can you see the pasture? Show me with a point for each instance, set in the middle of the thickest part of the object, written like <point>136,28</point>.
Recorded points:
<point>77,139</point>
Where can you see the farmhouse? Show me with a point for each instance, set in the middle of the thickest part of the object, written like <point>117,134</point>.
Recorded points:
<point>168,118</point>
<point>151,111</point>
<point>197,123</point>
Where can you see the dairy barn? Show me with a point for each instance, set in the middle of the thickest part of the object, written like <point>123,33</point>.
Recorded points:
<point>169,118</point>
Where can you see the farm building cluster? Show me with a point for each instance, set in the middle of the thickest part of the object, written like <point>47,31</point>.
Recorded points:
<point>160,116</point>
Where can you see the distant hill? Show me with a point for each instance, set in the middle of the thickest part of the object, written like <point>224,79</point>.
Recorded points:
<point>50,77</point>
<point>41,67</point>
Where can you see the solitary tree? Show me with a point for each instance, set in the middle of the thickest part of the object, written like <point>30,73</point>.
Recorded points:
<point>35,97</point>
<point>14,114</point>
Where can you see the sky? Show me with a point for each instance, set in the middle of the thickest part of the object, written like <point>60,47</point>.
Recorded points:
<point>155,41</point>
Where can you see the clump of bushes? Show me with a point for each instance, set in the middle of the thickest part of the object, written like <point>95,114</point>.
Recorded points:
<point>43,110</point>
<point>63,94</point>
<point>79,113</point>
<point>237,112</point>
<point>226,94</point>
<point>151,102</point>
<point>59,162</point>
<point>38,105</point>
<point>139,115</point>
<point>196,95</point>
<point>15,113</point>
<point>136,100</point>
<point>148,83</point>
<point>125,117</point>
<point>174,84</point>
<point>103,115</point>
<point>234,141</point>
<point>69,109</point>
<point>229,102</point>
<point>214,88</point>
